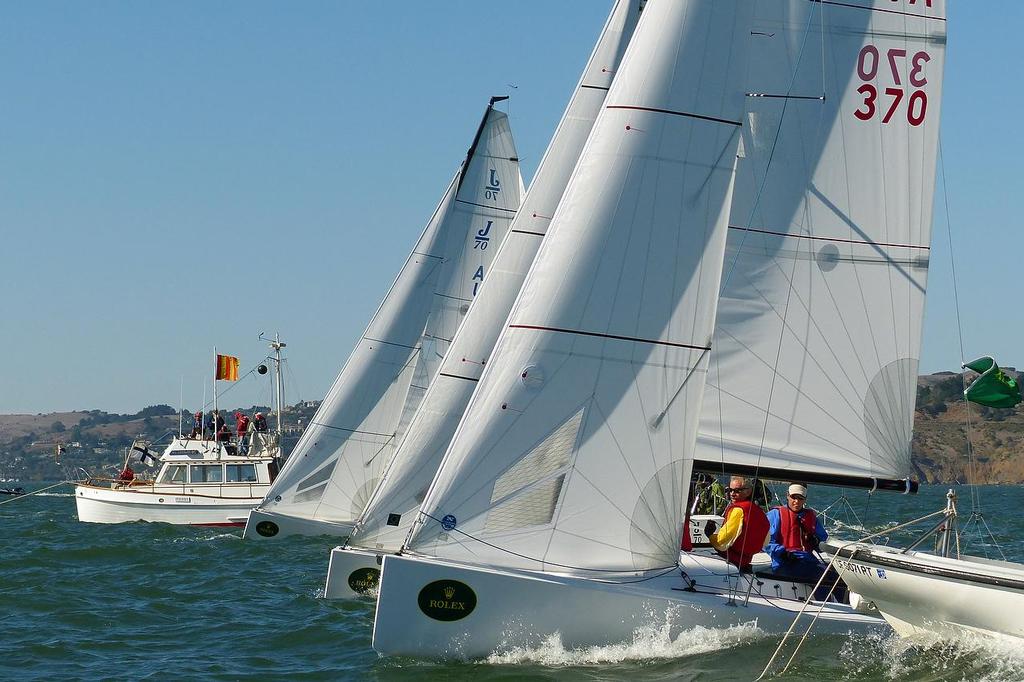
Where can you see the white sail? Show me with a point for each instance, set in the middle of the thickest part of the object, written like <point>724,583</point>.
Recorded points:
<point>814,363</point>
<point>338,461</point>
<point>574,452</point>
<point>387,519</point>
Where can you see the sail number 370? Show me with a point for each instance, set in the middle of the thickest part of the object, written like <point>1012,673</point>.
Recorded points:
<point>888,103</point>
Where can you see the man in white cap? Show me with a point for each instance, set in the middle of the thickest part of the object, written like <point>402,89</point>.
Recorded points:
<point>794,533</point>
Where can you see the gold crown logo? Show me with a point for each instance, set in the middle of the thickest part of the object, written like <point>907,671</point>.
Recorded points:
<point>449,592</point>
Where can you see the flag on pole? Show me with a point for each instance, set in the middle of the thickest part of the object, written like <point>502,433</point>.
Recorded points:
<point>227,368</point>
<point>994,388</point>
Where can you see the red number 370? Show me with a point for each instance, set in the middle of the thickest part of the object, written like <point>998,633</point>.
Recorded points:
<point>868,63</point>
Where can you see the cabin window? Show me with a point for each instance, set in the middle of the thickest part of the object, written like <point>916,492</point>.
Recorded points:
<point>207,473</point>
<point>191,454</point>
<point>241,473</point>
<point>174,474</point>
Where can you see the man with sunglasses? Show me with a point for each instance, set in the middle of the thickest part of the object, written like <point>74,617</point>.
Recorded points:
<point>745,529</point>
<point>795,532</point>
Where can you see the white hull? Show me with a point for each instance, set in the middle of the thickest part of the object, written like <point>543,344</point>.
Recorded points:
<point>110,505</point>
<point>263,525</point>
<point>353,573</point>
<point>478,611</point>
<point>921,593</point>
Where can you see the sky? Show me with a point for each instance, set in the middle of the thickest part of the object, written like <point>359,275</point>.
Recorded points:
<point>181,176</point>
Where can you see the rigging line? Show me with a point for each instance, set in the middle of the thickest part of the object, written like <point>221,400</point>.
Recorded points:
<point>975,504</point>
<point>544,562</point>
<point>656,422</point>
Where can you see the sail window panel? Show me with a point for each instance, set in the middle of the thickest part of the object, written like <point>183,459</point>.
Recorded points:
<point>318,477</point>
<point>311,494</point>
<point>534,507</point>
<point>552,454</point>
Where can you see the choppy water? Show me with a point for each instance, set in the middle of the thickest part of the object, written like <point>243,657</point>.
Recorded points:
<point>151,601</point>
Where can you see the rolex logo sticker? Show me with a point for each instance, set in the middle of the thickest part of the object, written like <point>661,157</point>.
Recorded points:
<point>364,580</point>
<point>447,600</point>
<point>267,529</point>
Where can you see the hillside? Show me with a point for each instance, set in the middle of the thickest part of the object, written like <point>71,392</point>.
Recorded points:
<point>95,440</point>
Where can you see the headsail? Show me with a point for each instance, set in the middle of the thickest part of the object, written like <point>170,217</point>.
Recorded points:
<point>387,519</point>
<point>560,461</point>
<point>814,368</point>
<point>338,461</point>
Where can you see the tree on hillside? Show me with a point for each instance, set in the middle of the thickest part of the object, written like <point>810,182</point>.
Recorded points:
<point>57,427</point>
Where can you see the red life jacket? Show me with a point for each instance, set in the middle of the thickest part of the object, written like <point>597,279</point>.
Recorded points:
<point>752,537</point>
<point>794,530</point>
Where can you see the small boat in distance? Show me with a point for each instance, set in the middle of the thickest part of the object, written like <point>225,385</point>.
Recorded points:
<point>12,491</point>
<point>205,478</point>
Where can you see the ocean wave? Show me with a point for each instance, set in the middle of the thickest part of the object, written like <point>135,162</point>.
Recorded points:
<point>649,642</point>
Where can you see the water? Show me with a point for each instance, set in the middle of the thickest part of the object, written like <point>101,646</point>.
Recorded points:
<point>150,601</point>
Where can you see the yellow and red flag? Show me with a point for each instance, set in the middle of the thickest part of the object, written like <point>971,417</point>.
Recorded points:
<point>227,368</point>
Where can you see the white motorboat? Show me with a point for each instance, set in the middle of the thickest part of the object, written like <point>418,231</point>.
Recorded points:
<point>203,479</point>
<point>199,483</point>
<point>559,504</point>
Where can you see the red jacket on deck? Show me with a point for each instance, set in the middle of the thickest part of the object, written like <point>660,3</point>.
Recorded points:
<point>794,531</point>
<point>753,535</point>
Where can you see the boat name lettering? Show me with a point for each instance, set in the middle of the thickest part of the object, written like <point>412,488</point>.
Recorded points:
<point>483,236</point>
<point>447,600</point>
<point>182,500</point>
<point>493,186</point>
<point>869,66</point>
<point>853,568</point>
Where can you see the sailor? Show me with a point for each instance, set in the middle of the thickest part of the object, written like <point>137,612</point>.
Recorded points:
<point>746,527</point>
<point>127,475</point>
<point>260,422</point>
<point>242,428</point>
<point>795,531</point>
<point>197,425</point>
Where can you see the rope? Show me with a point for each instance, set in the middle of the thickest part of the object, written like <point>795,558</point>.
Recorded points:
<point>36,492</point>
<point>822,605</point>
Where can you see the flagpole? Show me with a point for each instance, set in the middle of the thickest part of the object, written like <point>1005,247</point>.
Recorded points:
<point>215,392</point>
<point>202,415</point>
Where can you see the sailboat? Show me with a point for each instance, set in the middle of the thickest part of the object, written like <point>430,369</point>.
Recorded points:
<point>338,461</point>
<point>944,592</point>
<point>384,524</point>
<point>559,504</point>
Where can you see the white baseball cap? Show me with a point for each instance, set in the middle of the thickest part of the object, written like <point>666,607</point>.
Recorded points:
<point>797,489</point>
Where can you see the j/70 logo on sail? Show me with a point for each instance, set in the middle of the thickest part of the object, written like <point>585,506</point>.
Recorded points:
<point>447,600</point>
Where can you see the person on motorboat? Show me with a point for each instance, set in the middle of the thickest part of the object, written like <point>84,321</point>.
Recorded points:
<point>745,529</point>
<point>126,476</point>
<point>795,532</point>
<point>241,429</point>
<point>260,422</point>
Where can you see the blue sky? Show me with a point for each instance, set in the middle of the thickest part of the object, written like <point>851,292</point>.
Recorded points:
<point>175,176</point>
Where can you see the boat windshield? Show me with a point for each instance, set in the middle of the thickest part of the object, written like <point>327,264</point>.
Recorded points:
<point>175,473</point>
<point>244,473</point>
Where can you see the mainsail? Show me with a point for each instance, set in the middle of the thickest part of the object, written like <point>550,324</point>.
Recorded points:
<point>387,519</point>
<point>575,450</point>
<point>338,461</point>
<point>814,363</point>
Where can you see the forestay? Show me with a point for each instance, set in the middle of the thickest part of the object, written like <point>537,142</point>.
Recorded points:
<point>574,452</point>
<point>814,363</point>
<point>387,519</point>
<point>338,460</point>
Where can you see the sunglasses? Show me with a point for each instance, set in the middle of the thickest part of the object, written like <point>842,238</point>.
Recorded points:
<point>736,490</point>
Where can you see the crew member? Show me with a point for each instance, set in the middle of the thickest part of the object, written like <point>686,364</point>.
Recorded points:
<point>241,429</point>
<point>127,475</point>
<point>795,531</point>
<point>745,529</point>
<point>260,422</point>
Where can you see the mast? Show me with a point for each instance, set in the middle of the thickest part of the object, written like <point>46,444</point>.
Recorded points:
<point>276,345</point>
